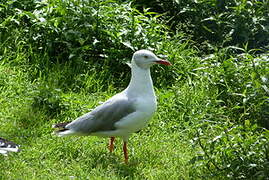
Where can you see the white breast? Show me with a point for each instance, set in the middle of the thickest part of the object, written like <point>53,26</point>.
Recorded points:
<point>137,120</point>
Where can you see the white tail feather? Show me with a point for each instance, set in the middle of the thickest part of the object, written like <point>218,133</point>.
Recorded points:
<point>65,133</point>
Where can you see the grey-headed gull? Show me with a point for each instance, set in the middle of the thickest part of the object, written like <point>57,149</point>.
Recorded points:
<point>124,113</point>
<point>7,146</point>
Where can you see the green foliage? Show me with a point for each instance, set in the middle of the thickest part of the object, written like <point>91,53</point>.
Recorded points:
<point>219,23</point>
<point>238,152</point>
<point>82,35</point>
<point>242,83</point>
<point>49,100</point>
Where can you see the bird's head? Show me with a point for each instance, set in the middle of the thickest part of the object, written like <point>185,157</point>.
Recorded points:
<point>145,59</point>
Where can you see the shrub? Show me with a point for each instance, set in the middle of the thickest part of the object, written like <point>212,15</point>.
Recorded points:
<point>218,23</point>
<point>82,35</point>
<point>238,152</point>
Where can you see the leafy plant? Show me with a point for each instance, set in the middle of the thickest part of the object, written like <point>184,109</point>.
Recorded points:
<point>238,152</point>
<point>49,100</point>
<point>80,35</point>
<point>218,23</point>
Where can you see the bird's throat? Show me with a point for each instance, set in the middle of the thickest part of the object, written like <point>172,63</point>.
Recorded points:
<point>141,82</point>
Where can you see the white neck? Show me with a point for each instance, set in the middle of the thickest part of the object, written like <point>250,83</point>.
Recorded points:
<point>141,82</point>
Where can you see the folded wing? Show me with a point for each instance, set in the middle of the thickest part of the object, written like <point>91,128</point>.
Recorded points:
<point>102,118</point>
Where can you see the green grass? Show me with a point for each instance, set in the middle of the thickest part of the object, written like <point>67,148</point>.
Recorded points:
<point>154,152</point>
<point>49,157</point>
<point>188,138</point>
<point>166,148</point>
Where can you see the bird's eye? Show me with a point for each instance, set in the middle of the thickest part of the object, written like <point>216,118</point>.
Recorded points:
<point>146,57</point>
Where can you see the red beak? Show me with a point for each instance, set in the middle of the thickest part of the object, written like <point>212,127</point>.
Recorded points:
<point>164,62</point>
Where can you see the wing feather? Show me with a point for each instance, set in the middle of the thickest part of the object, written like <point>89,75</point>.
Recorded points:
<point>104,116</point>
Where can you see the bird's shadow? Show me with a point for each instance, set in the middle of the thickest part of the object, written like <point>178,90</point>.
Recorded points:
<point>113,161</point>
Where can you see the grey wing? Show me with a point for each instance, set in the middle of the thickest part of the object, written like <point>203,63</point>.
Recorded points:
<point>103,117</point>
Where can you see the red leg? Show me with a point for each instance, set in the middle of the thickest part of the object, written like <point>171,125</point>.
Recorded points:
<point>125,152</point>
<point>111,144</point>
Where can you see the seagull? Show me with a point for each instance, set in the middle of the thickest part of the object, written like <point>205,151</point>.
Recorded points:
<point>126,112</point>
<point>8,146</point>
